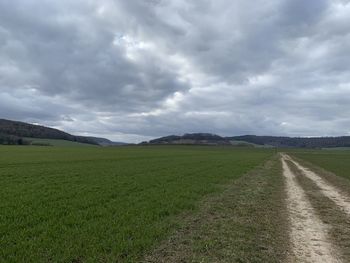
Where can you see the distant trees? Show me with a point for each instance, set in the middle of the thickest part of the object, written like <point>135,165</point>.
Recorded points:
<point>12,140</point>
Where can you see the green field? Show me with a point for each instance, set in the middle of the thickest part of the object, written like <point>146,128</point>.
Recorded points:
<point>336,161</point>
<point>54,142</point>
<point>94,204</point>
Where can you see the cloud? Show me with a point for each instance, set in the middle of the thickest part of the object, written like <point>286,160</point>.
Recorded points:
<point>133,70</point>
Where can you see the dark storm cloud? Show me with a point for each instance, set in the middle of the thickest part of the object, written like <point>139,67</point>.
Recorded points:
<point>132,70</point>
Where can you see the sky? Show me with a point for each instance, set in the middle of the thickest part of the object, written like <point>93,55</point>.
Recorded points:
<point>139,69</point>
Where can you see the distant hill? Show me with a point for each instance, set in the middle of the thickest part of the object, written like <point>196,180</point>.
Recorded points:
<point>298,142</point>
<point>22,130</point>
<point>254,141</point>
<point>106,142</point>
<point>192,138</point>
<point>16,132</point>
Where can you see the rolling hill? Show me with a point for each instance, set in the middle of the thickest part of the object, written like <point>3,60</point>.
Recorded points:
<point>296,142</point>
<point>16,132</point>
<point>21,133</point>
<point>192,138</point>
<point>255,141</point>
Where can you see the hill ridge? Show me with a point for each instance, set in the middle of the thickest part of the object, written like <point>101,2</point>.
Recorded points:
<point>255,140</point>
<point>16,132</point>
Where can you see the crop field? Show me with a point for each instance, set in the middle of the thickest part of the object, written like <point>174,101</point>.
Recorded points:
<point>54,142</point>
<point>95,204</point>
<point>173,204</point>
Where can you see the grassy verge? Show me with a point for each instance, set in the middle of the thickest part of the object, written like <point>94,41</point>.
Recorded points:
<point>246,223</point>
<point>329,213</point>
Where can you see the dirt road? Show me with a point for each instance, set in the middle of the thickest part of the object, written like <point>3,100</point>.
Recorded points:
<point>340,199</point>
<point>309,235</point>
<point>253,218</point>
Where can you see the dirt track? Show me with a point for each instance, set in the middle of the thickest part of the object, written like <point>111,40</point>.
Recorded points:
<point>340,199</point>
<point>309,235</point>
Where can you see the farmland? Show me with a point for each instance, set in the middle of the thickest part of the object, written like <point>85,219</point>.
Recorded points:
<point>173,204</point>
<point>54,142</point>
<point>94,204</point>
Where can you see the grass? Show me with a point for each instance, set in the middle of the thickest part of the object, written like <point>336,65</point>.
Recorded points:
<point>335,161</point>
<point>74,204</point>
<point>245,223</point>
<point>54,142</point>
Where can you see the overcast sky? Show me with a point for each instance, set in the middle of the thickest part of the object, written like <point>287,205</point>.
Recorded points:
<point>138,69</point>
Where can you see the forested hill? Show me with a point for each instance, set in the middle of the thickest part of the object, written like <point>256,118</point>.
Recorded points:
<point>299,142</point>
<point>13,132</point>
<point>192,138</point>
<point>254,141</point>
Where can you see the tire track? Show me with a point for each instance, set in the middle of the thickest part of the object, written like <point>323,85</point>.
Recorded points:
<point>331,192</point>
<point>309,235</point>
